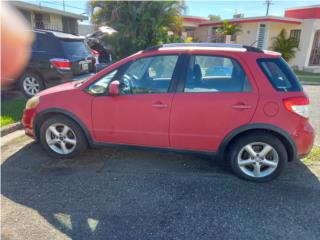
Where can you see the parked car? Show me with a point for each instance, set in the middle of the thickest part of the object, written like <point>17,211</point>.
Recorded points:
<point>241,103</point>
<point>56,58</point>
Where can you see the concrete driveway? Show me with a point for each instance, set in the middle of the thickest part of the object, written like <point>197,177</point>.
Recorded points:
<point>129,194</point>
<point>313,92</point>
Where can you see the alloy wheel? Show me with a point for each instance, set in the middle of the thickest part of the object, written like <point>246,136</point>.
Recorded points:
<point>258,159</point>
<point>61,138</point>
<point>31,85</point>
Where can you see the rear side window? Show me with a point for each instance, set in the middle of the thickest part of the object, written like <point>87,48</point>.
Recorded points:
<point>215,74</point>
<point>280,75</point>
<point>41,43</point>
<point>74,49</point>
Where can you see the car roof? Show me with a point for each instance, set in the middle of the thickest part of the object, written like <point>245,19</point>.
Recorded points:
<point>205,46</point>
<point>61,35</point>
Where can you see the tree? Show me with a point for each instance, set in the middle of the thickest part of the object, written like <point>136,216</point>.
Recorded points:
<point>140,24</point>
<point>287,46</point>
<point>214,17</point>
<point>229,29</point>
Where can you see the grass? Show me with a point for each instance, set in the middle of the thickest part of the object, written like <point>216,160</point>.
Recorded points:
<point>313,157</point>
<point>11,111</point>
<point>308,77</point>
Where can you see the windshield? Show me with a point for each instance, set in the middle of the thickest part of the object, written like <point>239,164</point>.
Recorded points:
<point>75,49</point>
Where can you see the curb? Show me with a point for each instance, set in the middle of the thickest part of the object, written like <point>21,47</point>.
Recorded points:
<point>10,128</point>
<point>310,83</point>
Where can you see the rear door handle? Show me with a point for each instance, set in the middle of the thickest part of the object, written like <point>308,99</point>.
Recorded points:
<point>241,106</point>
<point>159,105</point>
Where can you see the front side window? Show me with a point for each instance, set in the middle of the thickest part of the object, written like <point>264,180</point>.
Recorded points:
<point>215,74</point>
<point>279,74</point>
<point>149,75</point>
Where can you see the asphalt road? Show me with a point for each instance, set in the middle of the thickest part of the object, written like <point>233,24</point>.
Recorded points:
<point>129,194</point>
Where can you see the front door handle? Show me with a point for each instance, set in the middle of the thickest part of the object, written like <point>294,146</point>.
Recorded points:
<point>159,105</point>
<point>241,106</point>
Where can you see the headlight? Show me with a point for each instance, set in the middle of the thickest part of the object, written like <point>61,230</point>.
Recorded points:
<point>33,102</point>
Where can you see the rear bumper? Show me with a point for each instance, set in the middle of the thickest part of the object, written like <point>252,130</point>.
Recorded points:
<point>304,137</point>
<point>57,77</point>
<point>27,121</point>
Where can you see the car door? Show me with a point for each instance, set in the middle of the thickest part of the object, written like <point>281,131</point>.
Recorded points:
<point>39,59</point>
<point>140,114</point>
<point>217,96</point>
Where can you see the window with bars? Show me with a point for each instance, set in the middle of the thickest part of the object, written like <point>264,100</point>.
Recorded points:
<point>42,20</point>
<point>295,33</point>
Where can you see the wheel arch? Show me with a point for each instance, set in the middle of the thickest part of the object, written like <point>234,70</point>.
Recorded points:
<point>35,71</point>
<point>284,137</point>
<point>43,115</point>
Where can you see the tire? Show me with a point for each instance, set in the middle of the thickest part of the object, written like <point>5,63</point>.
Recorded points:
<point>30,83</point>
<point>52,141</point>
<point>246,166</point>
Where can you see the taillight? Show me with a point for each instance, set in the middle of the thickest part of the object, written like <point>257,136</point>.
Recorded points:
<point>95,53</point>
<point>297,105</point>
<point>95,59</point>
<point>60,63</point>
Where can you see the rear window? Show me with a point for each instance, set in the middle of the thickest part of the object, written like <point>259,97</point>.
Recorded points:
<point>75,49</point>
<point>280,75</point>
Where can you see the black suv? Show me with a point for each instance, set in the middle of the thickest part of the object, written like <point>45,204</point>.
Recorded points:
<point>56,57</point>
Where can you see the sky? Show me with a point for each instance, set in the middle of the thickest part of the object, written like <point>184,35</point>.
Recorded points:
<point>225,9</point>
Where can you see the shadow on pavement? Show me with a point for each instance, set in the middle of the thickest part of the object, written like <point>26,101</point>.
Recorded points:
<point>129,194</point>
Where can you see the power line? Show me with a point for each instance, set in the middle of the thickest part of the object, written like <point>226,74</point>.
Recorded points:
<point>63,5</point>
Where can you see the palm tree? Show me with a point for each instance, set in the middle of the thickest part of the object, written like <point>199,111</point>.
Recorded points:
<point>286,46</point>
<point>139,23</point>
<point>229,29</point>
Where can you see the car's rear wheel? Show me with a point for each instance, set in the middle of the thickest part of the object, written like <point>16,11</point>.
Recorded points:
<point>31,83</point>
<point>62,138</point>
<point>258,157</point>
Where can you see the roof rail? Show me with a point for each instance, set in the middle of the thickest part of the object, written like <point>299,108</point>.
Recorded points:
<point>204,45</point>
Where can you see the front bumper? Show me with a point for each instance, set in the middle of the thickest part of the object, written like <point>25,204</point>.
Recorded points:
<point>27,121</point>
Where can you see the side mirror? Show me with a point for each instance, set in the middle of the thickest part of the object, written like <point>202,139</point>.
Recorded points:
<point>114,88</point>
<point>97,90</point>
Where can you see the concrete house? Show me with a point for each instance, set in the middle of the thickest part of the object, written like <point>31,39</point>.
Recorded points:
<point>302,23</point>
<point>41,17</point>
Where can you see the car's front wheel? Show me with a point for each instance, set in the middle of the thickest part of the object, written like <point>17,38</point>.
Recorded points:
<point>62,138</point>
<point>258,157</point>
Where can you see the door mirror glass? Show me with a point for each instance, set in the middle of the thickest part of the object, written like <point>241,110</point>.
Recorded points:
<point>97,89</point>
<point>114,88</point>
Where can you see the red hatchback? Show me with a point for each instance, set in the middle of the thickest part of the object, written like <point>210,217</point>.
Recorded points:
<point>242,103</point>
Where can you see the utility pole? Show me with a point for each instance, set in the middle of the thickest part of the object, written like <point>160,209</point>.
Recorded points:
<point>268,3</point>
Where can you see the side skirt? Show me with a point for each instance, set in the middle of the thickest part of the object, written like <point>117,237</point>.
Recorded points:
<point>145,148</point>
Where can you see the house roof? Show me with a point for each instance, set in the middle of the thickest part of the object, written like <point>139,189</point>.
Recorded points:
<point>254,19</point>
<point>304,7</point>
<point>306,12</point>
<point>39,8</point>
<point>194,19</point>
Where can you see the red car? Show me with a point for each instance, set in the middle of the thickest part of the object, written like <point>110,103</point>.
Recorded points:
<point>242,103</point>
